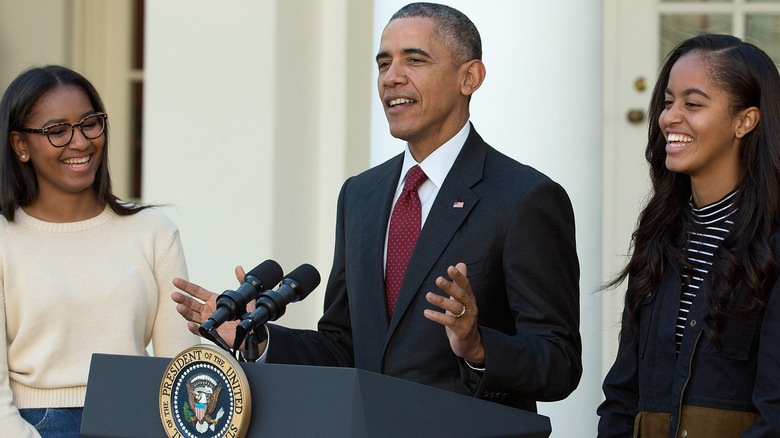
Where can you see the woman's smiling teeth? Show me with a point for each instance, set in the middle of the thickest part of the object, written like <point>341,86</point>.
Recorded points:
<point>77,162</point>
<point>399,101</point>
<point>678,139</point>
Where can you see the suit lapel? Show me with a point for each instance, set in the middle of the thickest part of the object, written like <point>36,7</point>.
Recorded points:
<point>378,204</point>
<point>443,222</point>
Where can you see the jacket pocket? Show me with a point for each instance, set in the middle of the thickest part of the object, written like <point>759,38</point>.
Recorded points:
<point>736,337</point>
<point>702,421</point>
<point>652,424</point>
<point>475,269</point>
<point>645,319</point>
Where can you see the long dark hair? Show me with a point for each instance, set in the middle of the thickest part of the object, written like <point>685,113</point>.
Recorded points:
<point>744,268</point>
<point>18,184</point>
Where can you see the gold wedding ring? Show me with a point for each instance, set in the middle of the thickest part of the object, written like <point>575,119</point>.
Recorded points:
<point>462,312</point>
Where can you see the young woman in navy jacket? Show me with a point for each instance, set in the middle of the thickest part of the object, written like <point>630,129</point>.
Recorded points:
<point>699,352</point>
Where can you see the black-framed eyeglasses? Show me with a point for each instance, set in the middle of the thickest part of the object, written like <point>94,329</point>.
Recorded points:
<point>60,134</point>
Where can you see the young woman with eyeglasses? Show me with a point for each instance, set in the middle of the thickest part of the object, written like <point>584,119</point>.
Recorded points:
<point>699,354</point>
<point>81,271</point>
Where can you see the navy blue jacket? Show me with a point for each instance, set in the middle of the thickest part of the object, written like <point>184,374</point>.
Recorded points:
<point>741,374</point>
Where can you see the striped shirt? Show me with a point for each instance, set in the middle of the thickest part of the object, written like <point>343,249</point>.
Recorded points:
<point>711,224</point>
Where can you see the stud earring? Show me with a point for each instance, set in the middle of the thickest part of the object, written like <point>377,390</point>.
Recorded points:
<point>24,156</point>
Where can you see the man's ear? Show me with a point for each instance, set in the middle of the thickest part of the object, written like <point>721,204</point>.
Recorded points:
<point>473,73</point>
<point>748,120</point>
<point>20,146</point>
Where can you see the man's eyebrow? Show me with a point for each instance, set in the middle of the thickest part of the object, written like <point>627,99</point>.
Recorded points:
<point>409,51</point>
<point>415,51</point>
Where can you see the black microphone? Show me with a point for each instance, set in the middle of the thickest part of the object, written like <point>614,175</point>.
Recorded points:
<point>271,304</point>
<point>231,304</point>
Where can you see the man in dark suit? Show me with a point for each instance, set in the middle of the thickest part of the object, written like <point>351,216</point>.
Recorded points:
<point>503,324</point>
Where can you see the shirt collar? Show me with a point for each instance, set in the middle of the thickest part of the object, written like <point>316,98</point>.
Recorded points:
<point>438,164</point>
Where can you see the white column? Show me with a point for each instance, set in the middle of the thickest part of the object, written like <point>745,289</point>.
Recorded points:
<point>255,114</point>
<point>541,103</point>
<point>209,95</point>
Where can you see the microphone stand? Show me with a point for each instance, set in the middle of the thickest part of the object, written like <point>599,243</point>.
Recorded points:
<point>251,350</point>
<point>212,335</point>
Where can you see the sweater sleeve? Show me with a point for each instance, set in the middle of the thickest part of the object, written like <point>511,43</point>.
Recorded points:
<point>170,335</point>
<point>11,423</point>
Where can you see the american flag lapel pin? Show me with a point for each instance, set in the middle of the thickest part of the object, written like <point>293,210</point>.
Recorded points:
<point>458,204</point>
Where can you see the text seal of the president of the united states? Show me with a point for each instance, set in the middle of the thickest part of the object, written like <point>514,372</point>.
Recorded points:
<point>204,394</point>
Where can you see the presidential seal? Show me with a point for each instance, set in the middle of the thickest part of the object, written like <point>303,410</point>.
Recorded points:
<point>204,394</point>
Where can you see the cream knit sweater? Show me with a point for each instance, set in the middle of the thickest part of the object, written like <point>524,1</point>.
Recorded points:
<point>68,290</point>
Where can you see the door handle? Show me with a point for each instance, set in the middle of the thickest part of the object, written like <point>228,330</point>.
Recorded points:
<point>635,116</point>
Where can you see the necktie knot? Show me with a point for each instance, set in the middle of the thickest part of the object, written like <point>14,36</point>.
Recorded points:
<point>414,179</point>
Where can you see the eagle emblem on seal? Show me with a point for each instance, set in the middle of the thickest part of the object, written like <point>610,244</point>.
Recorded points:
<point>203,395</point>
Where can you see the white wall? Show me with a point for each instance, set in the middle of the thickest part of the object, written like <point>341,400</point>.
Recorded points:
<point>541,104</point>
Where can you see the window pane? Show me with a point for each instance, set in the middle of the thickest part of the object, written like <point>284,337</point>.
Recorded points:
<point>677,28</point>
<point>764,31</point>
<point>138,35</point>
<point>136,153</point>
<point>136,100</point>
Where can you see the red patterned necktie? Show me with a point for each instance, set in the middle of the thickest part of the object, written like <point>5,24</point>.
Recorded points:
<point>405,224</point>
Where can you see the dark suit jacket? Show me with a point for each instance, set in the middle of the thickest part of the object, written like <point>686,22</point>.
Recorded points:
<point>515,232</point>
